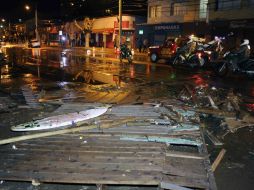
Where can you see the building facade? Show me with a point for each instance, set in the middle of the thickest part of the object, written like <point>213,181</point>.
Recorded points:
<point>180,11</point>
<point>235,16</point>
<point>172,18</point>
<point>230,10</point>
<point>105,31</point>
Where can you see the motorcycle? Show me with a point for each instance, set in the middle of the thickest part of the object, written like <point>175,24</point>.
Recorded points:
<point>125,53</point>
<point>237,62</point>
<point>2,58</point>
<point>210,52</point>
<point>189,54</point>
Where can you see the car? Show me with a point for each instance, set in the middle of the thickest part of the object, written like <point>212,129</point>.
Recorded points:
<point>34,43</point>
<point>165,51</point>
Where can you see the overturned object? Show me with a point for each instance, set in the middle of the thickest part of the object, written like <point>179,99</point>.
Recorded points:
<point>60,120</point>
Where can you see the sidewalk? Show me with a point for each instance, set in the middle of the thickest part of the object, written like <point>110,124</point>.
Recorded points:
<point>97,49</point>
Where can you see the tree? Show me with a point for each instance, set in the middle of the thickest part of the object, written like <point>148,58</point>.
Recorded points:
<point>85,26</point>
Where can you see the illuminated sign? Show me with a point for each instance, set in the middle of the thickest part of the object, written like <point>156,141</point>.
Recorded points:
<point>141,32</point>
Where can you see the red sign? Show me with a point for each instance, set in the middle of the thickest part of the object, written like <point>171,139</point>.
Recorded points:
<point>53,30</point>
<point>125,24</point>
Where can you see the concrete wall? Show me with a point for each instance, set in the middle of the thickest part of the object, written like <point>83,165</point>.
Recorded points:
<point>245,11</point>
<point>108,22</point>
<point>191,11</point>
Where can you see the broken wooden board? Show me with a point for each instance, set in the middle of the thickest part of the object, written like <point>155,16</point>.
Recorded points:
<point>213,139</point>
<point>234,124</point>
<point>98,155</point>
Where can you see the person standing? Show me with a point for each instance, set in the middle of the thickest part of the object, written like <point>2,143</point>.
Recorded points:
<point>140,44</point>
<point>145,45</point>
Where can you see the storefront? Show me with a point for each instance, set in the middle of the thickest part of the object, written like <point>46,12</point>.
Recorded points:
<point>106,30</point>
<point>157,33</point>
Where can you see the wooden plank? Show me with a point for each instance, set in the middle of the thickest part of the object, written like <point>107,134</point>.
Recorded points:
<point>81,158</point>
<point>94,141</point>
<point>59,132</point>
<point>218,159</point>
<point>84,143</point>
<point>72,166</point>
<point>138,178</point>
<point>89,146</point>
<point>171,186</point>
<point>186,181</point>
<point>179,134</point>
<point>177,154</point>
<point>185,167</point>
<point>80,152</point>
<point>203,150</point>
<point>212,138</point>
<point>87,149</point>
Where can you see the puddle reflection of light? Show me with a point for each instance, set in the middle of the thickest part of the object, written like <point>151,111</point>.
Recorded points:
<point>132,71</point>
<point>63,62</point>
<point>88,52</point>
<point>199,81</point>
<point>28,75</point>
<point>148,69</point>
<point>250,107</point>
<point>36,52</point>
<point>5,76</point>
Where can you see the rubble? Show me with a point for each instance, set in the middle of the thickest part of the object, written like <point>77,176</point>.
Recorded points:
<point>205,101</point>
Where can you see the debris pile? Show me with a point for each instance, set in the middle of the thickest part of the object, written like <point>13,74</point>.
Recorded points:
<point>219,103</point>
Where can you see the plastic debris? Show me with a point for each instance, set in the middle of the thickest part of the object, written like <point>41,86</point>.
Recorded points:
<point>35,183</point>
<point>14,147</point>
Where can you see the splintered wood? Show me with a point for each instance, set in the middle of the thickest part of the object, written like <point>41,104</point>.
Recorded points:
<point>148,150</point>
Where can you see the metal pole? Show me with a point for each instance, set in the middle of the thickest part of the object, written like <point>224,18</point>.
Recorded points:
<point>36,24</point>
<point>120,22</point>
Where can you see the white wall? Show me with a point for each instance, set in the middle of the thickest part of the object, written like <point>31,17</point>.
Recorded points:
<point>108,22</point>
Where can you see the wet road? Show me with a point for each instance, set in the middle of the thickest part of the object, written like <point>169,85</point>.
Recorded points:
<point>104,68</point>
<point>78,75</point>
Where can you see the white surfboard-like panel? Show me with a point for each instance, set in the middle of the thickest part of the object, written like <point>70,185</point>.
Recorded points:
<point>60,120</point>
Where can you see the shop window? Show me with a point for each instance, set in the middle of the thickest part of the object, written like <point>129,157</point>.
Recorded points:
<point>203,9</point>
<point>154,11</point>
<point>180,9</point>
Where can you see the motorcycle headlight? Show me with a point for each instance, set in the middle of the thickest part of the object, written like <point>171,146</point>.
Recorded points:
<point>208,52</point>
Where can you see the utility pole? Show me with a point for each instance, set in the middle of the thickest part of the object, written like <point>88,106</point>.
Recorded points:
<point>120,23</point>
<point>36,24</point>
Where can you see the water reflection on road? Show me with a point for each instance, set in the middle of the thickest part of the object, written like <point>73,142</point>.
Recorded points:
<point>104,68</point>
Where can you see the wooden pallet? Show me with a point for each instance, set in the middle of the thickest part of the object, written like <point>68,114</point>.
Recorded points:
<point>102,157</point>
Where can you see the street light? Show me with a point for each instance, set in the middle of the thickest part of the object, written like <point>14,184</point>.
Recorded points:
<point>27,7</point>
<point>3,20</point>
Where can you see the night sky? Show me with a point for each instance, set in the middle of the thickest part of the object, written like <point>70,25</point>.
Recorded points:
<point>68,9</point>
<point>14,9</point>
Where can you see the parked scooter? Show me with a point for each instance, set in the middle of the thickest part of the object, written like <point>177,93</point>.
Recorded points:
<point>125,53</point>
<point>237,62</point>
